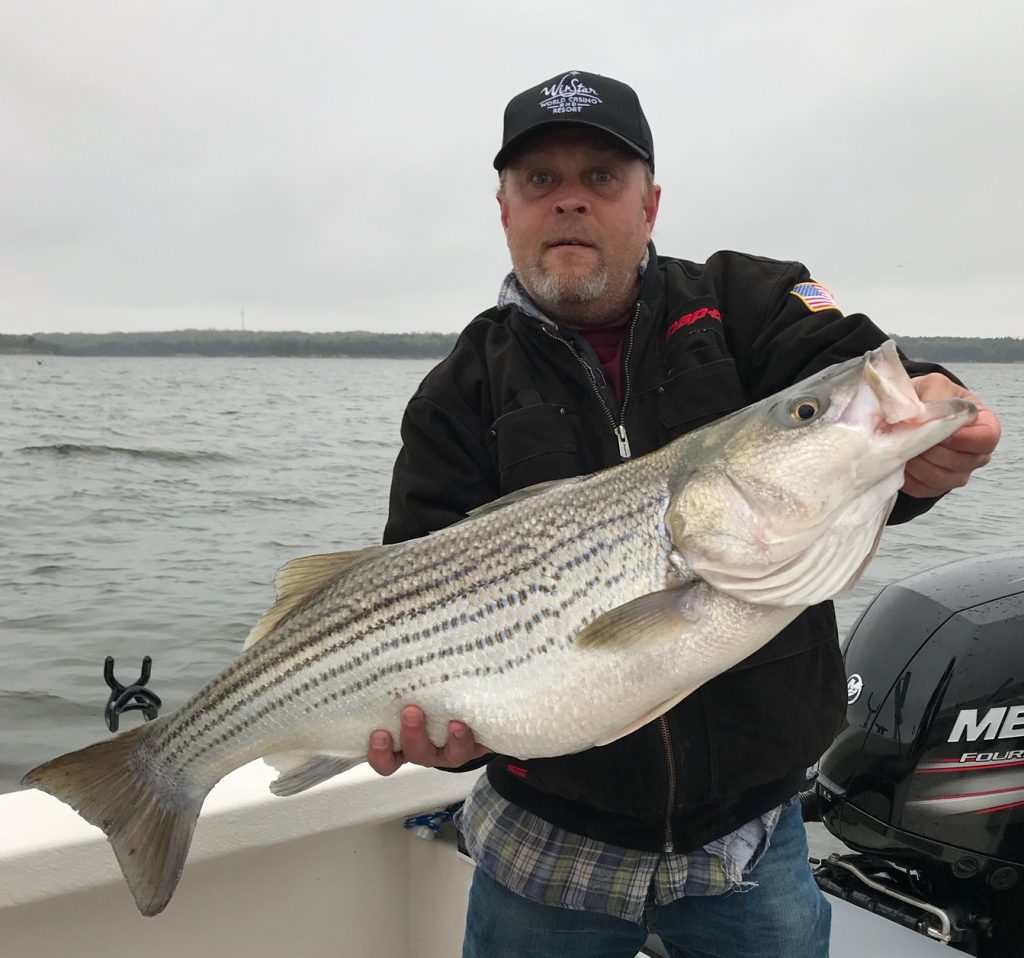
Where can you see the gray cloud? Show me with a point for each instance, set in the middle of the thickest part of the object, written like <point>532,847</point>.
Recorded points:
<point>327,166</point>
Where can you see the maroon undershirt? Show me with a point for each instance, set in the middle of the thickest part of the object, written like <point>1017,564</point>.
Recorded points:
<point>607,343</point>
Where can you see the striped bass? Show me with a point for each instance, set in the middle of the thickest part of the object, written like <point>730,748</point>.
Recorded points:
<point>551,621</point>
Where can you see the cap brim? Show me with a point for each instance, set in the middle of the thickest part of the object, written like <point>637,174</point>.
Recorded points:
<point>506,153</point>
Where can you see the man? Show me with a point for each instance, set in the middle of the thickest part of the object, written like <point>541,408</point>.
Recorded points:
<point>598,350</point>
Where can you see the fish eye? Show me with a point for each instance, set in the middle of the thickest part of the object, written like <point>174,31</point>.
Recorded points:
<point>805,409</point>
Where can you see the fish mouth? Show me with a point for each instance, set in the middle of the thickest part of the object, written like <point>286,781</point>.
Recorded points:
<point>888,381</point>
<point>886,403</point>
<point>884,397</point>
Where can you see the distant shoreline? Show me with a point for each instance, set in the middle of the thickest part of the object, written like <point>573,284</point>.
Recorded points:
<point>211,343</point>
<point>214,343</point>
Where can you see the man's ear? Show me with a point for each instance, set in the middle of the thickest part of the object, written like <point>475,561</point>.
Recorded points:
<point>651,205</point>
<point>504,210</point>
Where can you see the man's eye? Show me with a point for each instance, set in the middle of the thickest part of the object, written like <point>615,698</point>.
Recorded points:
<point>540,179</point>
<point>603,176</point>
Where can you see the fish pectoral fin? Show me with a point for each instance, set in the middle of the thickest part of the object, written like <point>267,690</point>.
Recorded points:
<point>653,619</point>
<point>299,580</point>
<point>302,770</point>
<point>660,709</point>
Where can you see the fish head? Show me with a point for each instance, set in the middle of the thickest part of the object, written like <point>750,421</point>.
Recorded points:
<point>788,497</point>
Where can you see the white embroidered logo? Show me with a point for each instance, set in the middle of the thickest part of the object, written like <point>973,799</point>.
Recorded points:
<point>569,95</point>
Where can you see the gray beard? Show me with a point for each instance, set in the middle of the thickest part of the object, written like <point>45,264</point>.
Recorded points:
<point>550,290</point>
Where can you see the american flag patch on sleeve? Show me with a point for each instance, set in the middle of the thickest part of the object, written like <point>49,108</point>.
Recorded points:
<point>814,296</point>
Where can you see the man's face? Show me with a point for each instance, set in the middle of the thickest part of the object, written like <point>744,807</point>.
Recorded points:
<point>578,215</point>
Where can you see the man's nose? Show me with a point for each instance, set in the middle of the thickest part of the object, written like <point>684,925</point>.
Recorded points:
<point>571,202</point>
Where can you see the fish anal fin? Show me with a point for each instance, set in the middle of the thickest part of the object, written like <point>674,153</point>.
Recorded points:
<point>655,619</point>
<point>299,580</point>
<point>660,709</point>
<point>148,821</point>
<point>302,770</point>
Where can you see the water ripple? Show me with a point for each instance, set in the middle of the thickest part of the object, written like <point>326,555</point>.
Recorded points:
<point>147,504</point>
<point>155,455</point>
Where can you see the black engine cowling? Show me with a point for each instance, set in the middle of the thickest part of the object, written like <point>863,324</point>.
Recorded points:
<point>928,770</point>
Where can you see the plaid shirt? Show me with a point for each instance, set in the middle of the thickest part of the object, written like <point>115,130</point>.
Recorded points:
<point>547,864</point>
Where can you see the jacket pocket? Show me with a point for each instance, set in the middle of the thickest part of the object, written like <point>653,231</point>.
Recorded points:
<point>533,444</point>
<point>699,395</point>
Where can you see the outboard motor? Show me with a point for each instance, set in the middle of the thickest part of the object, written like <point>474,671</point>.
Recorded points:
<point>926,779</point>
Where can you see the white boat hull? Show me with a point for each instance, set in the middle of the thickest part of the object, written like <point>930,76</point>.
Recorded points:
<point>330,872</point>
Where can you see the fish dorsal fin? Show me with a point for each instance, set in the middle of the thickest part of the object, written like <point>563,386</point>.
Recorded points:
<point>300,579</point>
<point>654,619</point>
<point>527,492</point>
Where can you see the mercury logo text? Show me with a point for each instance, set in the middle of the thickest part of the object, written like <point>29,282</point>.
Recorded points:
<point>1005,721</point>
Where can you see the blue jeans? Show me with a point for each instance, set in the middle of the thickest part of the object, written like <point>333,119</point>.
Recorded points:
<point>785,916</point>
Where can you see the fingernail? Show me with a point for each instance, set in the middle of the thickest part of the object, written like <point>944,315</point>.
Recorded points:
<point>458,733</point>
<point>410,718</point>
<point>379,740</point>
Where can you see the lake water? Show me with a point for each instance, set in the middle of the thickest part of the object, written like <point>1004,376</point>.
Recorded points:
<point>145,505</point>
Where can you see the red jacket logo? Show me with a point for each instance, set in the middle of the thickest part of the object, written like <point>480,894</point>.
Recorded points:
<point>690,318</point>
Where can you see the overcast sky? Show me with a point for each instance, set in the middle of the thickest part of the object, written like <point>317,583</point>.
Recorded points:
<point>327,165</point>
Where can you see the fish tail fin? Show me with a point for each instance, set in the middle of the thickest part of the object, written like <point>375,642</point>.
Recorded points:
<point>148,819</point>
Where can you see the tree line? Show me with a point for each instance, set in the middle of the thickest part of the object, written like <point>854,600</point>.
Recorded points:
<point>216,342</point>
<point>962,349</point>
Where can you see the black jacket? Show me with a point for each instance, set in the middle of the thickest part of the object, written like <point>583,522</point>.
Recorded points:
<point>518,402</point>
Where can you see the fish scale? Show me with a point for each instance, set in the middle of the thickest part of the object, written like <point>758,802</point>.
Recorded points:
<point>544,587</point>
<point>551,621</point>
<point>354,653</point>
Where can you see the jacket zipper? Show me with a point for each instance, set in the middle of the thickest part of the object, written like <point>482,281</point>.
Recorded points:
<point>670,800</point>
<point>618,428</point>
<point>620,433</point>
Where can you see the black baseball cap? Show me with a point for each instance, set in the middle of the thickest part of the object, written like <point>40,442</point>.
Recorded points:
<point>578,99</point>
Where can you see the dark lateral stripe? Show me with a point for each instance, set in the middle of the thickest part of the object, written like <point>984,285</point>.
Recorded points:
<point>218,692</point>
<point>441,598</point>
<point>497,638</point>
<point>425,680</point>
<point>216,721</point>
<point>244,670</point>
<point>235,681</point>
<point>433,589</point>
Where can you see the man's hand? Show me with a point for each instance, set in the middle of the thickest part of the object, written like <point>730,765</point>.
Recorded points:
<point>950,464</point>
<point>415,747</point>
